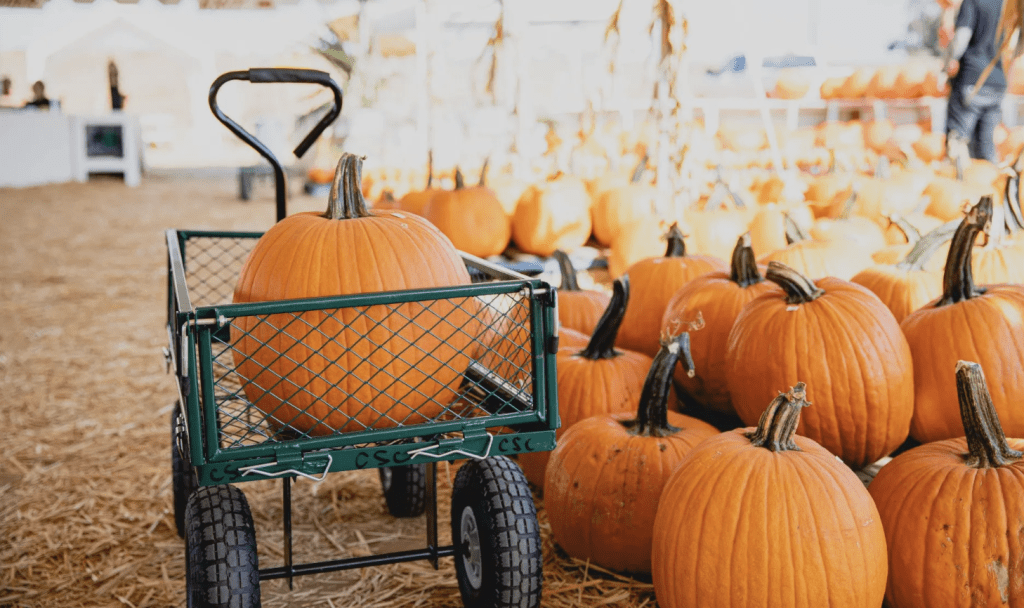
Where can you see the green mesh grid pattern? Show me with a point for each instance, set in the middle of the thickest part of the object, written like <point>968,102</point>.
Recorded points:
<point>212,266</point>
<point>290,376</point>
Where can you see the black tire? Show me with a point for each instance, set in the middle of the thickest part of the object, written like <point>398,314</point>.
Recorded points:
<point>221,565</point>
<point>497,541</point>
<point>183,477</point>
<point>405,489</point>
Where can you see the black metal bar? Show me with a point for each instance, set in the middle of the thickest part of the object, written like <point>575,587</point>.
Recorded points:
<point>356,562</point>
<point>258,75</point>
<point>431,498</point>
<point>288,565</point>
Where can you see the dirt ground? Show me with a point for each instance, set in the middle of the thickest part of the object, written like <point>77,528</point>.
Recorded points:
<point>86,513</point>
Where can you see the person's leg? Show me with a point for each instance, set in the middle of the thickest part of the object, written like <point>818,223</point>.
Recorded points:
<point>961,121</point>
<point>989,115</point>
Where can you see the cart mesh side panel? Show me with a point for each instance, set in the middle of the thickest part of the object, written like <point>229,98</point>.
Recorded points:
<point>293,375</point>
<point>212,266</point>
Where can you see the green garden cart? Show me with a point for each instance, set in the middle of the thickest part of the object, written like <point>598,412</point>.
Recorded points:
<point>228,426</point>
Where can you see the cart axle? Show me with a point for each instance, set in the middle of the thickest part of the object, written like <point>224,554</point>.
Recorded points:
<point>357,562</point>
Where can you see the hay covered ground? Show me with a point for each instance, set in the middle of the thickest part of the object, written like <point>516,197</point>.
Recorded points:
<point>86,512</point>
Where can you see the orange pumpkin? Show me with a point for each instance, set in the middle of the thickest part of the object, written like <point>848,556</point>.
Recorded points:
<point>578,309</point>
<point>357,355</point>
<point>472,218</point>
<point>953,512</point>
<point>506,189</point>
<point>831,88</point>
<point>816,259</point>
<point>883,83</point>
<point>761,517</point>
<point>856,84</point>
<point>859,368</point>
<point>603,481</point>
<point>615,207</point>
<point>930,147</point>
<point>654,282</point>
<point>415,201</point>
<point>877,134</point>
<point>716,299</point>
<point>792,83</point>
<point>908,285</point>
<point>596,380</point>
<point>552,215</point>
<point>634,242</point>
<point>984,325</point>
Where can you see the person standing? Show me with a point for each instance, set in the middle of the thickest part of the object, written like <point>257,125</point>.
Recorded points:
<point>39,99</point>
<point>116,98</point>
<point>977,81</point>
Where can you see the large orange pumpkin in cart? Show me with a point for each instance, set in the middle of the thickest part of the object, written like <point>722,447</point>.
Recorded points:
<point>363,367</point>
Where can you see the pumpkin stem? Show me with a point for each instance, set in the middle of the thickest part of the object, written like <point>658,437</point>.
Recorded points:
<point>346,201</point>
<point>883,170</point>
<point>910,232</point>
<point>652,415</point>
<point>602,343</point>
<point>565,267</point>
<point>676,245</point>
<point>1011,196</point>
<point>799,289</point>
<point>926,247</point>
<point>847,210</point>
<point>638,171</point>
<point>778,423</point>
<point>483,172</point>
<point>958,279</point>
<point>744,265</point>
<point>430,168</point>
<point>986,443</point>
<point>831,160</point>
<point>460,182</point>
<point>794,232</point>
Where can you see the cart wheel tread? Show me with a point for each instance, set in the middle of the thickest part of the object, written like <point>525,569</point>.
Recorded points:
<point>183,478</point>
<point>222,569</point>
<point>405,489</point>
<point>492,505</point>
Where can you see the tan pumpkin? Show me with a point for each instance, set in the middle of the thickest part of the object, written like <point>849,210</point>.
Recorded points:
<point>357,355</point>
<point>763,517</point>
<point>859,367</point>
<point>634,242</point>
<point>552,215</point>
<point>604,479</point>
<point>816,259</point>
<point>654,281</point>
<point>910,284</point>
<point>792,83</point>
<point>506,188</point>
<point>618,206</point>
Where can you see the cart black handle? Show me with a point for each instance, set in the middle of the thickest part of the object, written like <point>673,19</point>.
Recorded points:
<point>262,75</point>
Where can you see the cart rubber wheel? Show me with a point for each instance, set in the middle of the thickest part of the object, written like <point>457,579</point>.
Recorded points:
<point>221,566</point>
<point>496,536</point>
<point>183,478</point>
<point>405,489</point>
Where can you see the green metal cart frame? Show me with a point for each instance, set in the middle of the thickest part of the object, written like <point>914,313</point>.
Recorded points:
<point>504,403</point>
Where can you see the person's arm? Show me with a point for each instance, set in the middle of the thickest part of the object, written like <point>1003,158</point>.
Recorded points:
<point>965,22</point>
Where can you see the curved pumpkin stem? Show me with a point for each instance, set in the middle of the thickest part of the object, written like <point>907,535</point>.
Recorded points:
<point>638,171</point>
<point>652,415</point>
<point>1011,198</point>
<point>602,343</point>
<point>910,232</point>
<point>744,265</point>
<point>986,443</point>
<point>794,233</point>
<point>799,289</point>
<point>847,210</point>
<point>926,247</point>
<point>460,182</point>
<point>778,423</point>
<point>346,201</point>
<point>483,172</point>
<point>676,245</point>
<point>958,279</point>
<point>430,168</point>
<point>567,270</point>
